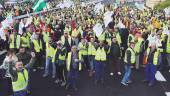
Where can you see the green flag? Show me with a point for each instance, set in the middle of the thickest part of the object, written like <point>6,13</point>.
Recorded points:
<point>39,5</point>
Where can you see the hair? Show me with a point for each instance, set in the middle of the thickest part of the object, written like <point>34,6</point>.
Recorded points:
<point>11,51</point>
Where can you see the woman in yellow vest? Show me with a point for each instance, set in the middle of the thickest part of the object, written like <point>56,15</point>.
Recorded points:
<point>129,60</point>
<point>73,66</point>
<point>49,56</point>
<point>152,61</point>
<point>100,61</point>
<point>20,77</point>
<point>60,60</point>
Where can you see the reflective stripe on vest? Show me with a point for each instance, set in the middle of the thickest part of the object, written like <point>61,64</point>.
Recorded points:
<point>84,49</point>
<point>62,57</point>
<point>138,45</point>
<point>69,61</point>
<point>63,40</point>
<point>133,38</point>
<point>12,41</point>
<point>101,54</point>
<point>91,49</point>
<point>49,50</point>
<point>155,58</point>
<point>25,42</point>
<point>46,36</point>
<point>132,61</point>
<point>53,58</point>
<point>37,46</point>
<point>168,47</point>
<point>22,82</point>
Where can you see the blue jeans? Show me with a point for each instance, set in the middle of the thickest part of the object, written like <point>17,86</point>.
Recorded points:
<point>20,93</point>
<point>92,62</point>
<point>72,77</point>
<point>47,66</point>
<point>99,70</point>
<point>127,74</point>
<point>150,72</point>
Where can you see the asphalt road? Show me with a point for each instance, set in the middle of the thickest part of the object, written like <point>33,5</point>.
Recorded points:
<point>111,87</point>
<point>46,87</point>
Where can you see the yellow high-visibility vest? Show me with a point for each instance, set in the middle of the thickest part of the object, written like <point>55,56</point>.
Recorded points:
<point>37,46</point>
<point>54,58</point>
<point>21,82</point>
<point>25,42</point>
<point>138,45</point>
<point>155,58</point>
<point>84,51</point>
<point>133,58</point>
<point>91,49</point>
<point>63,40</point>
<point>49,50</point>
<point>69,61</point>
<point>133,38</point>
<point>100,54</point>
<point>12,41</point>
<point>46,36</point>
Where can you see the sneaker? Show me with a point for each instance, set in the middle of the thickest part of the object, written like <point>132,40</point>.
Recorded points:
<point>57,81</point>
<point>124,84</point>
<point>75,88</point>
<point>63,84</point>
<point>129,82</point>
<point>150,84</point>
<point>67,87</point>
<point>41,68</point>
<point>45,75</point>
<point>53,76</point>
<point>119,73</point>
<point>34,70</point>
<point>145,81</point>
<point>111,74</point>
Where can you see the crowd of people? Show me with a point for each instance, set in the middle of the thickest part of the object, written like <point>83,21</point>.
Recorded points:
<point>66,41</point>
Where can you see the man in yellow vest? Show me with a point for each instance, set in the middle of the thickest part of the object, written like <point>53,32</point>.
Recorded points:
<point>100,62</point>
<point>129,60</point>
<point>83,51</point>
<point>25,41</point>
<point>49,56</point>
<point>168,51</point>
<point>138,50</point>
<point>73,67</point>
<point>67,41</point>
<point>20,77</point>
<point>36,47</point>
<point>60,60</point>
<point>92,46</point>
<point>14,41</point>
<point>152,61</point>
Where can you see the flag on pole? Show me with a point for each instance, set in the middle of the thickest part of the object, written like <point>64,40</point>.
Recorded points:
<point>39,5</point>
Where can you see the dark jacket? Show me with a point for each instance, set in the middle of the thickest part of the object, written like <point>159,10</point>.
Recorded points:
<point>114,50</point>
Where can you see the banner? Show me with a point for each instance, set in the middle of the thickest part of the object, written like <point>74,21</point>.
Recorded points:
<point>107,18</point>
<point>98,29</point>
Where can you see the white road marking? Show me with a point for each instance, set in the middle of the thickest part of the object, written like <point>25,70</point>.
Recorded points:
<point>160,77</point>
<point>167,93</point>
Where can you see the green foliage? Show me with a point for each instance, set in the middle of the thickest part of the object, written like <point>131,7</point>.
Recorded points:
<point>163,5</point>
